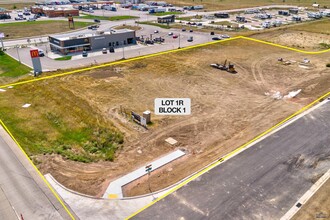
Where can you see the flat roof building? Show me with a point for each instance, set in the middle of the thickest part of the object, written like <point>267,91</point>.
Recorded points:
<point>71,43</point>
<point>51,12</point>
<point>166,19</point>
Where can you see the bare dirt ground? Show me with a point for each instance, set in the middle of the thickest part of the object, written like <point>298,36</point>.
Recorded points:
<point>227,109</point>
<point>318,207</point>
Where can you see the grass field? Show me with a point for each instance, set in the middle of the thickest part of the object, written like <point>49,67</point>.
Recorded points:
<point>231,4</point>
<point>10,67</point>
<point>13,6</point>
<point>66,127</point>
<point>38,28</point>
<point>155,24</point>
<point>112,18</point>
<point>167,13</point>
<point>136,28</point>
<point>321,26</point>
<point>64,58</point>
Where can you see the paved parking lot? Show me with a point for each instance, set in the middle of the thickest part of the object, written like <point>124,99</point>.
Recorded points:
<point>128,52</point>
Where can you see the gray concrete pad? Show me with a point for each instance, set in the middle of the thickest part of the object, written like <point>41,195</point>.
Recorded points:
<point>262,182</point>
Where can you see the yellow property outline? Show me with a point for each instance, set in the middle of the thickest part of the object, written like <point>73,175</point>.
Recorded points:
<point>162,53</point>
<point>209,167</point>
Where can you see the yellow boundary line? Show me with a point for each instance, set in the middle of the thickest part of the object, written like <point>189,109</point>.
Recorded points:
<point>42,177</point>
<point>148,56</point>
<point>162,53</point>
<point>211,166</point>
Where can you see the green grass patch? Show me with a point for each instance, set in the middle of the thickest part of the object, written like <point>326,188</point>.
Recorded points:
<point>167,13</point>
<point>112,18</point>
<point>38,28</point>
<point>68,126</point>
<point>223,23</point>
<point>64,58</point>
<point>10,67</point>
<point>325,46</point>
<point>155,24</point>
<point>190,18</point>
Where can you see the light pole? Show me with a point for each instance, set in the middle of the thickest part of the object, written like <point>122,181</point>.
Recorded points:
<point>123,50</point>
<point>179,42</point>
<point>19,58</point>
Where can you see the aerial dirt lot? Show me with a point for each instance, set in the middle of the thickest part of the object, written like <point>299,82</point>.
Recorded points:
<point>227,111</point>
<point>318,207</point>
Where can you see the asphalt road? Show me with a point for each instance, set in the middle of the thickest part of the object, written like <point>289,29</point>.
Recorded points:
<point>262,182</point>
<point>20,192</point>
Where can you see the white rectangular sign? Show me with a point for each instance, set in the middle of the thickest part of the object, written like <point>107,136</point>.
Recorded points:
<point>172,106</point>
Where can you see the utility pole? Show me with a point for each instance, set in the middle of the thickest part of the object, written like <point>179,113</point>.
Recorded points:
<point>179,41</point>
<point>19,58</point>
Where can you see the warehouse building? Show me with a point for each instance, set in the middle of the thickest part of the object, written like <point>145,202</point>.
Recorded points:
<point>71,43</point>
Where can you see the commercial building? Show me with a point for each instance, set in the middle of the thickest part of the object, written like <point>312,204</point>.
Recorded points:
<point>52,12</point>
<point>166,19</point>
<point>71,43</point>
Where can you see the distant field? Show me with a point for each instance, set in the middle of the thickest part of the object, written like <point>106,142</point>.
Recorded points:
<point>322,27</point>
<point>230,4</point>
<point>113,18</point>
<point>10,5</point>
<point>37,28</point>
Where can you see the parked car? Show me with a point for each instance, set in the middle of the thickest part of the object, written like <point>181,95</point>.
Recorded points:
<point>84,53</point>
<point>175,36</point>
<point>104,51</point>
<point>111,50</point>
<point>156,31</point>
<point>183,29</point>
<point>170,34</point>
<point>216,38</point>
<point>26,13</point>
<point>224,36</point>
<point>19,19</point>
<point>41,53</point>
<point>212,33</point>
<point>191,30</point>
<point>190,39</point>
<point>97,20</point>
<point>31,19</point>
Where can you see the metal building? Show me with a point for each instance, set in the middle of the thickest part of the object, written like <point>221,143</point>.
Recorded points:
<point>71,43</point>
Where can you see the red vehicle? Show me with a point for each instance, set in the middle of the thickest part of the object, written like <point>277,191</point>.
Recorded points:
<point>175,36</point>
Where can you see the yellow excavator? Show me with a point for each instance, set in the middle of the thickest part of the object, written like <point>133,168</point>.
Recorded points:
<point>230,68</point>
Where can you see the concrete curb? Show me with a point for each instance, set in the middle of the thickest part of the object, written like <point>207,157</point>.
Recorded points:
<point>304,199</point>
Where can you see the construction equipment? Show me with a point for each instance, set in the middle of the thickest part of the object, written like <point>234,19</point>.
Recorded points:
<point>230,68</point>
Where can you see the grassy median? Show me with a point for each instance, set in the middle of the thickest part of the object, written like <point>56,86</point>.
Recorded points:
<point>10,67</point>
<point>112,18</point>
